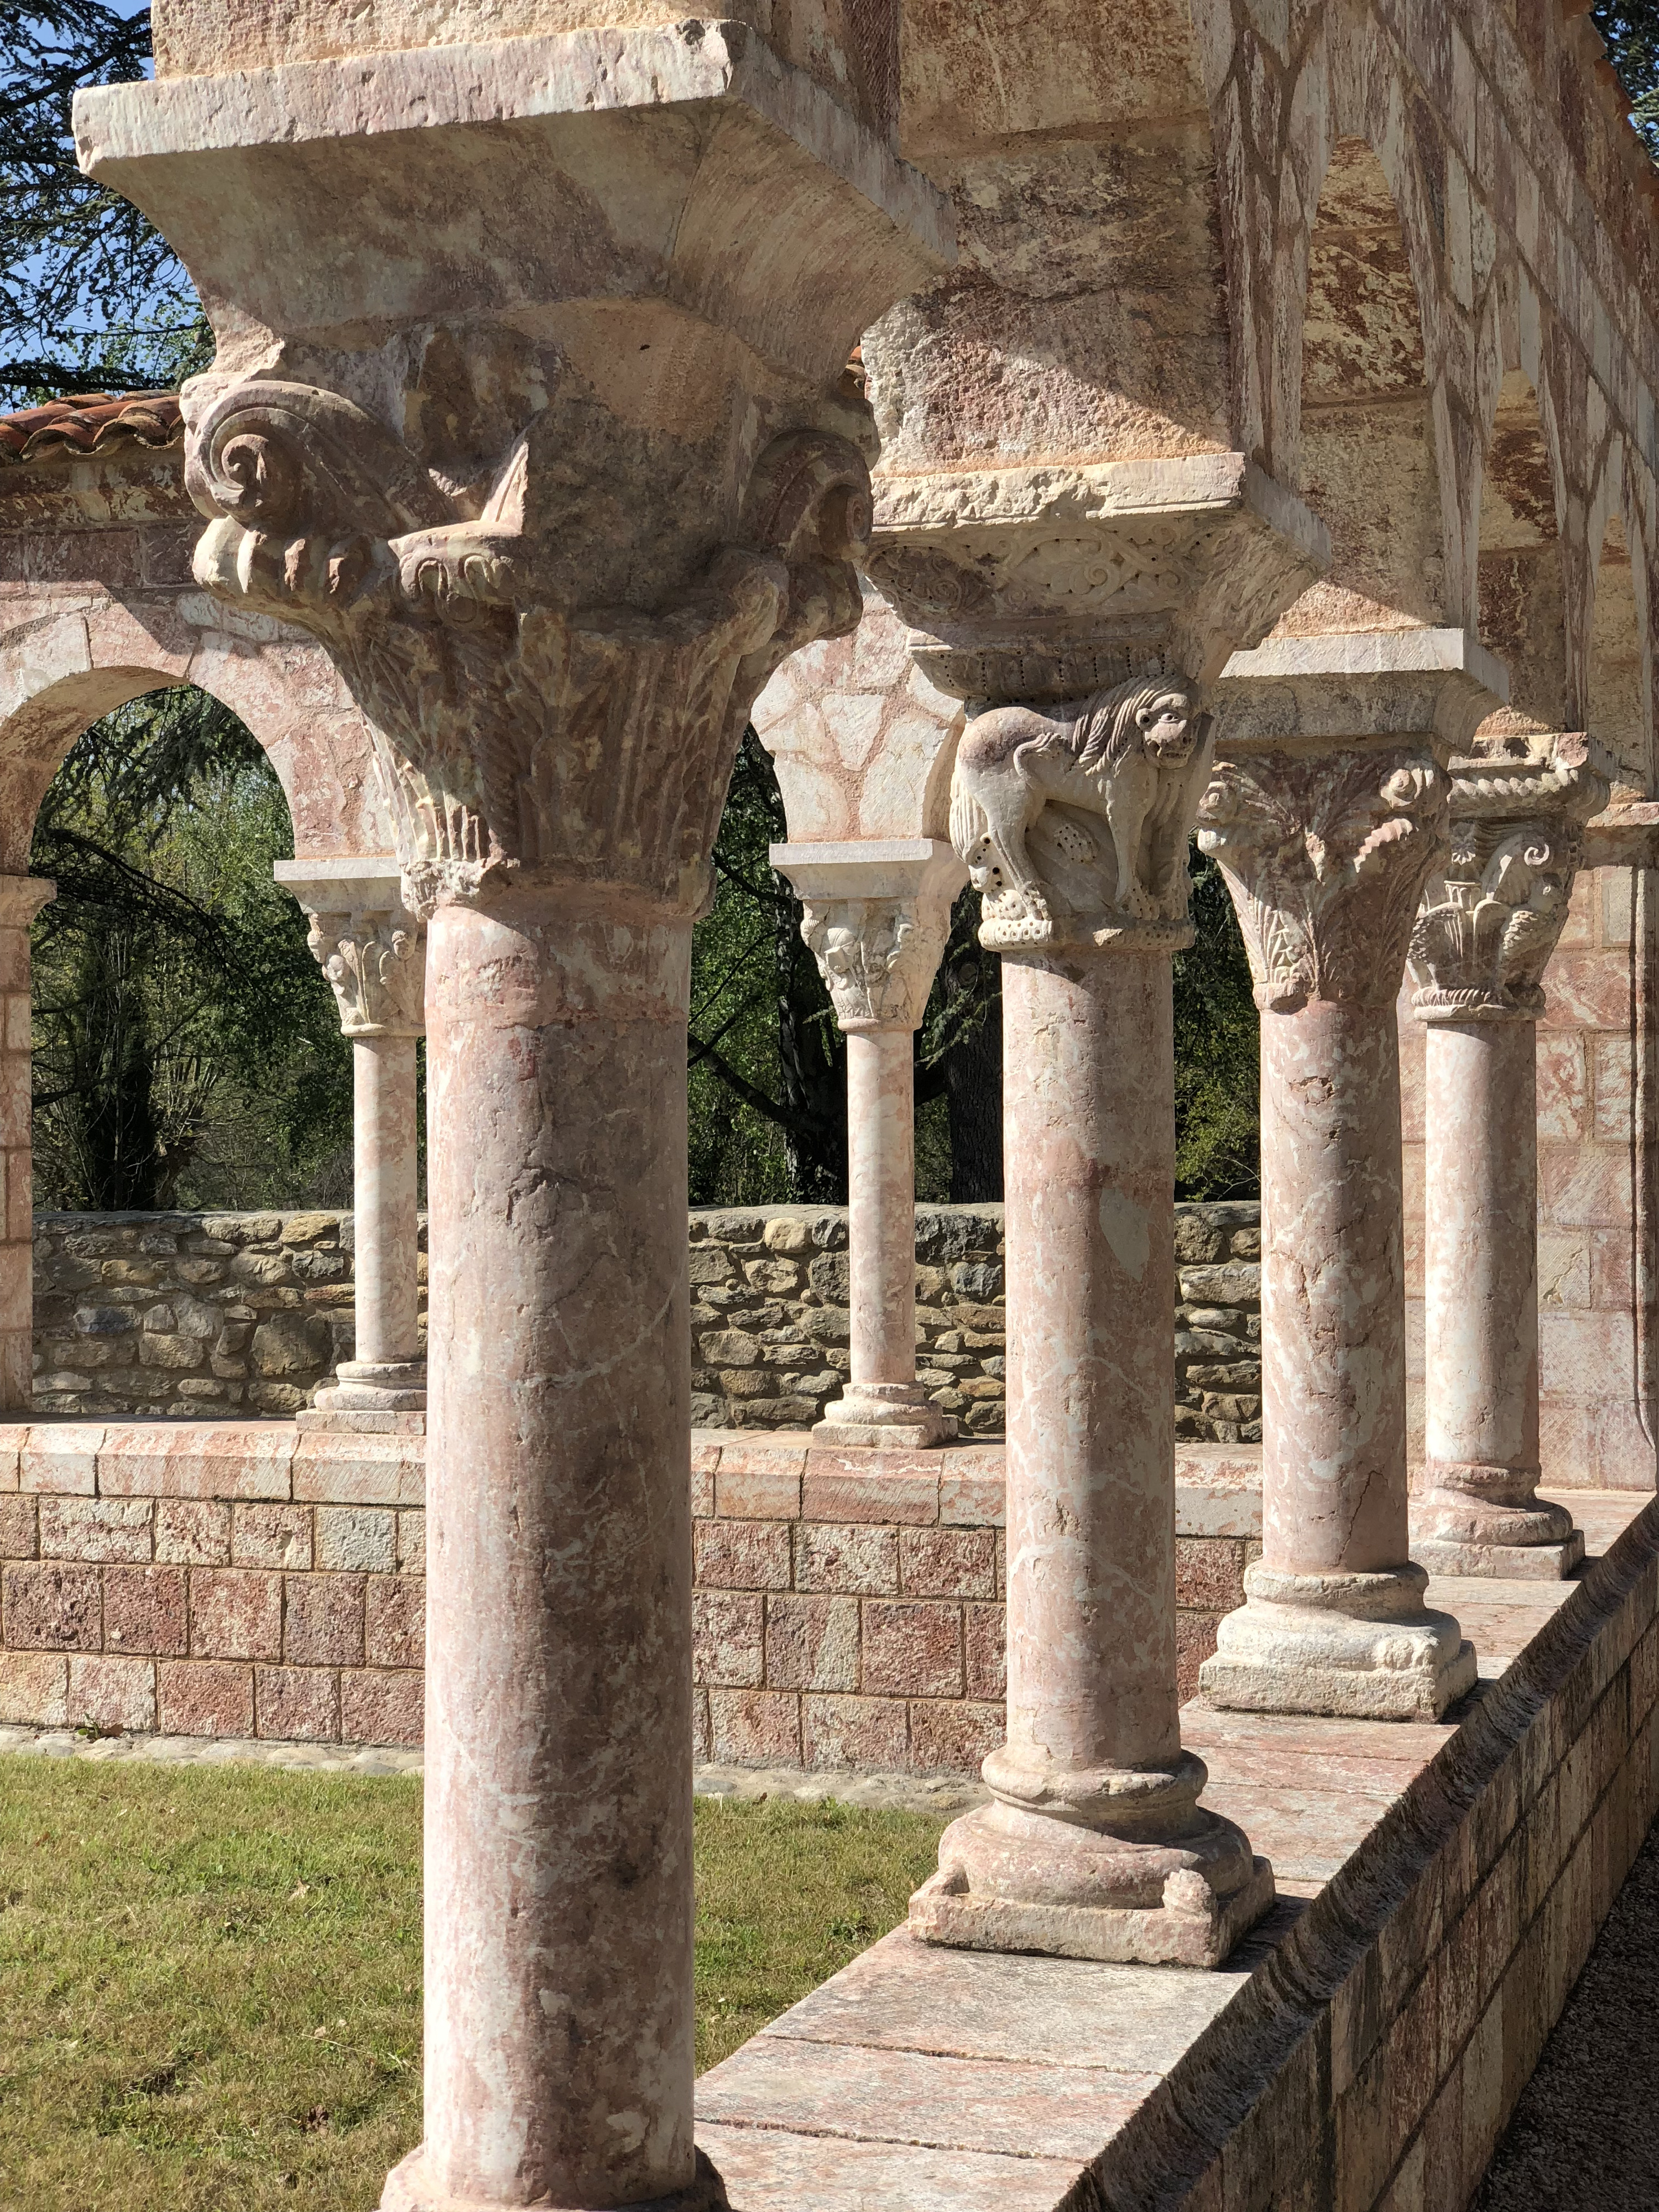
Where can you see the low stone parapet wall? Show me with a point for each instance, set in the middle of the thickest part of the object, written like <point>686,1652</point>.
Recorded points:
<point>217,1316</point>
<point>1374,2059</point>
<point>247,1579</point>
<point>228,1579</point>
<point>850,1607</point>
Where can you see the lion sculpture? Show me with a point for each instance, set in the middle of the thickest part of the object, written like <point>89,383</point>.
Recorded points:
<point>1137,756</point>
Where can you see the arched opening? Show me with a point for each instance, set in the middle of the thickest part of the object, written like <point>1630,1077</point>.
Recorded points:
<point>1522,591</point>
<point>1367,455</point>
<point>187,1049</point>
<point>1616,706</point>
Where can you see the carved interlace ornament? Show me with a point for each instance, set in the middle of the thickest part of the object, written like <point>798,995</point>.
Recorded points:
<point>580,742</point>
<point>878,957</point>
<point>1326,856</point>
<point>1490,921</point>
<point>1073,822</point>
<point>375,964</point>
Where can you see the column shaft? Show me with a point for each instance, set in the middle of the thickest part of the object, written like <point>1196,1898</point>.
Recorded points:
<point>881,1205</point>
<point>1327,855</point>
<point>385,1199</point>
<point>21,898</point>
<point>1480,1260</point>
<point>1333,1291</point>
<point>1090,1221</point>
<point>1479,1512</point>
<point>558,1791</point>
<point>1096,1846</point>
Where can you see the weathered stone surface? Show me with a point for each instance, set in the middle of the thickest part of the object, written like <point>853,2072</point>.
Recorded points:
<point>257,1331</point>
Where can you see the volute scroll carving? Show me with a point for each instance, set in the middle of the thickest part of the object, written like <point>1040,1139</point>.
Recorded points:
<point>1491,918</point>
<point>1073,822</point>
<point>515,733</point>
<point>1326,855</point>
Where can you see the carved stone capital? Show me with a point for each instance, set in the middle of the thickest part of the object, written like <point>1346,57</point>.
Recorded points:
<point>516,732</point>
<point>1073,821</point>
<point>1044,585</point>
<point>1326,855</point>
<point>556,508</point>
<point>1492,917</point>
<point>21,898</point>
<point>877,917</point>
<point>369,946</point>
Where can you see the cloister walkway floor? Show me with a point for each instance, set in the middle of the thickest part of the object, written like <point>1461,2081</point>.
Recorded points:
<point>918,2078</point>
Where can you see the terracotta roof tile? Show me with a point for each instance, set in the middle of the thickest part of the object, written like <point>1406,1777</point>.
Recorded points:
<point>91,422</point>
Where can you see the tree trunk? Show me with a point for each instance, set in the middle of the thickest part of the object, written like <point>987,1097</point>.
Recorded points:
<point>973,1085</point>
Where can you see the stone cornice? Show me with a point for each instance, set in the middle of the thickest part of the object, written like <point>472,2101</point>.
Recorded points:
<point>1351,686</point>
<point>181,149</point>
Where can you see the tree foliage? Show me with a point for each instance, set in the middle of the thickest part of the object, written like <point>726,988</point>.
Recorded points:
<point>187,1050</point>
<point>91,294</point>
<point>1630,28</point>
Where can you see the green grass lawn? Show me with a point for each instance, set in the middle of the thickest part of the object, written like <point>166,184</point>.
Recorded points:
<point>209,1977</point>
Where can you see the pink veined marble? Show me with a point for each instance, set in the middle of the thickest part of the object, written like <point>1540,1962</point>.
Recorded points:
<point>1327,855</point>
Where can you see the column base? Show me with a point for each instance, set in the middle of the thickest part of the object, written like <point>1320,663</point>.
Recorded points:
<point>1471,1519</point>
<point>898,1416</point>
<point>1359,1646</point>
<point>375,1386</point>
<point>408,2189</point>
<point>1527,1563</point>
<point>1166,1884</point>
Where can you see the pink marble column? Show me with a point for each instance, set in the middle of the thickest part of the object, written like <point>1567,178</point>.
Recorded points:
<point>881,1195</point>
<point>372,952</point>
<point>21,898</point>
<point>1326,854</point>
<point>558,1790</point>
<point>1096,1846</point>
<point>877,916</point>
<point>385,1205</point>
<point>1485,932</point>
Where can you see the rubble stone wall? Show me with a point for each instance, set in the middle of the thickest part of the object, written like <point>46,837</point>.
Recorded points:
<point>210,1315</point>
<point>224,1316</point>
<point>769,1318</point>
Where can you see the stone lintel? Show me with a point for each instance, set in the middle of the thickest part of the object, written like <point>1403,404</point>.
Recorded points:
<point>680,137</point>
<point>1357,687</point>
<point>1047,583</point>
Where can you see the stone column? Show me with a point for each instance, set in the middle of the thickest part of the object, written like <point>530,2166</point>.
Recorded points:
<point>877,917</point>
<point>21,898</point>
<point>373,951</point>
<point>557,512</point>
<point>1326,851</point>
<point>1090,647</point>
<point>1486,931</point>
<point>1074,823</point>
